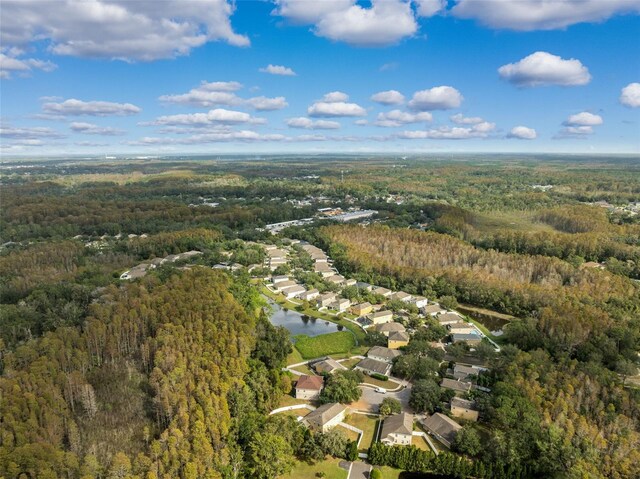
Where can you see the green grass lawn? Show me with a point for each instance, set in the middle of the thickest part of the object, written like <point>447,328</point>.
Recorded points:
<point>367,424</point>
<point>349,363</point>
<point>383,384</point>
<point>389,473</point>
<point>325,344</point>
<point>330,467</point>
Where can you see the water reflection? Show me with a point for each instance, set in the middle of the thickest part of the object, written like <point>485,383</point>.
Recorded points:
<point>298,323</point>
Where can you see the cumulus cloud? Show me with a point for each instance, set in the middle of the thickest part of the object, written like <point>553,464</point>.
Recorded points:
<point>361,122</point>
<point>436,98</point>
<point>389,97</point>
<point>579,125</point>
<point>215,137</point>
<point>119,29</point>
<point>522,133</point>
<point>540,14</point>
<point>335,96</point>
<point>27,133</point>
<point>584,119</point>
<point>278,70</point>
<point>479,130</point>
<point>630,95</point>
<point>262,103</point>
<point>384,22</point>
<point>543,69</point>
<point>335,108</point>
<point>308,124</point>
<point>460,119</point>
<point>10,64</point>
<point>91,129</point>
<point>428,8</point>
<point>395,118</point>
<point>73,107</point>
<point>212,117</point>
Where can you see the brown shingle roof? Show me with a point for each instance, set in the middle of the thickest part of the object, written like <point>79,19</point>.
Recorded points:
<point>310,382</point>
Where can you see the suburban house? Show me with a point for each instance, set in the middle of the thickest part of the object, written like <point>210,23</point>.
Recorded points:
<point>382,291</point>
<point>420,301</point>
<point>388,328</point>
<point>401,296</point>
<point>324,269</point>
<point>274,263</point>
<point>464,409</point>
<point>380,353</point>
<point>380,317</point>
<point>328,366</point>
<point>397,430</point>
<point>293,291</point>
<point>340,304</point>
<point>361,309</point>
<point>363,285</point>
<point>325,417</point>
<point>336,279</point>
<point>325,300</point>
<point>279,279</point>
<point>442,428</point>
<point>350,282</point>
<point>284,284</point>
<point>309,295</point>
<point>373,366</point>
<point>448,318</point>
<point>309,387</point>
<point>462,327</point>
<point>458,386</point>
<point>433,309</point>
<point>470,339</point>
<point>398,339</point>
<point>462,372</point>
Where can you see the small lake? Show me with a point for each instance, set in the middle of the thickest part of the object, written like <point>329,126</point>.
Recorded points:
<point>298,323</point>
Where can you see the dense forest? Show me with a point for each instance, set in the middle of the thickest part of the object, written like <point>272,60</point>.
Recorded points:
<point>172,375</point>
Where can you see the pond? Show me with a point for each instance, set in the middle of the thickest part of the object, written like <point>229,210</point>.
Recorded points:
<point>298,323</point>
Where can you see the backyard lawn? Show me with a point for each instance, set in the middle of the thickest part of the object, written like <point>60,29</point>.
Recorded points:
<point>383,384</point>
<point>367,424</point>
<point>330,467</point>
<point>325,344</point>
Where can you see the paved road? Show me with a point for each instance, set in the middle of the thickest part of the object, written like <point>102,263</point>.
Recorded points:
<point>359,470</point>
<point>370,400</point>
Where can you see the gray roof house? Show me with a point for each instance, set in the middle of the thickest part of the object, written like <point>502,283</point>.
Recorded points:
<point>442,428</point>
<point>397,430</point>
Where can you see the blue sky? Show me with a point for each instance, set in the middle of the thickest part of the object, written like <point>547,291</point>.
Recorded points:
<point>207,76</point>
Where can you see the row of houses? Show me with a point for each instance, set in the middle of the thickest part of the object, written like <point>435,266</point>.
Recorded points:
<point>142,269</point>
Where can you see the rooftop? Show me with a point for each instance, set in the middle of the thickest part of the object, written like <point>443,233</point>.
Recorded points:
<point>398,424</point>
<point>324,414</point>
<point>310,382</point>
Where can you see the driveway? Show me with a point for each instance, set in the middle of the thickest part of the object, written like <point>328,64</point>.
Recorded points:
<point>359,470</point>
<point>371,400</point>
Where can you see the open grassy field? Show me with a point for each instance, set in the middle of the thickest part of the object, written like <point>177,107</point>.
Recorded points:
<point>325,344</point>
<point>367,424</point>
<point>329,467</point>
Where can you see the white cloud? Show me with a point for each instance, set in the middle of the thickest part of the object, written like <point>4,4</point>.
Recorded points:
<point>460,119</point>
<point>522,133</point>
<point>437,98</point>
<point>212,117</point>
<point>428,8</point>
<point>480,130</point>
<point>215,137</point>
<point>389,97</point>
<point>335,96</point>
<point>119,29</point>
<point>308,124</point>
<point>73,107</point>
<point>28,133</point>
<point>543,69</point>
<point>584,119</point>
<point>278,70</point>
<point>630,95</point>
<point>384,22</point>
<point>262,103</point>
<point>207,94</point>
<point>385,67</point>
<point>395,118</point>
<point>362,122</point>
<point>541,14</point>
<point>10,64</point>
<point>579,125</point>
<point>335,109</point>
<point>91,129</point>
